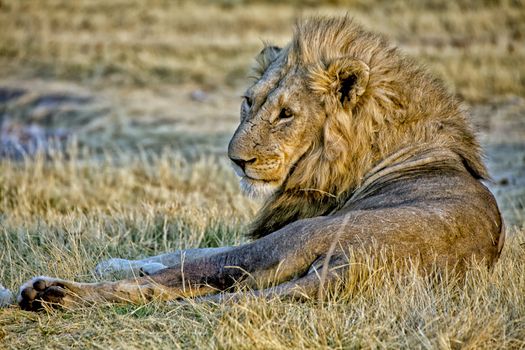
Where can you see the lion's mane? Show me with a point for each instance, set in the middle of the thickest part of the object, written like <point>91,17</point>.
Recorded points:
<point>402,106</point>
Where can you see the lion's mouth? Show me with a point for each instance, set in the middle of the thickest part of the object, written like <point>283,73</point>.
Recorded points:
<point>258,188</point>
<point>255,180</point>
<point>243,175</point>
<point>238,170</point>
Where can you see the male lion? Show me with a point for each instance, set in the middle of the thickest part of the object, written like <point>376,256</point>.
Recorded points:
<point>354,146</point>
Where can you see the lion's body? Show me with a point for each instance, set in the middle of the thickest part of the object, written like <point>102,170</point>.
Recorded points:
<point>356,147</point>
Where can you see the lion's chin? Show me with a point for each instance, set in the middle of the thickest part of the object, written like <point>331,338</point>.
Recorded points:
<point>258,188</point>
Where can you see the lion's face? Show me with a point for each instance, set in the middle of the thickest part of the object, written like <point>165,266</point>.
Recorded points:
<point>284,117</point>
<point>280,121</point>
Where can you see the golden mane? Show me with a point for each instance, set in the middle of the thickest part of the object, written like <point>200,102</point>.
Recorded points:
<point>402,106</point>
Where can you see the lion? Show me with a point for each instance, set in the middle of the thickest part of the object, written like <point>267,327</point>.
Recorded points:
<point>352,145</point>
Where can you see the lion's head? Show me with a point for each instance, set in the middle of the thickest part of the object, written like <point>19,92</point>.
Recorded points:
<point>327,107</point>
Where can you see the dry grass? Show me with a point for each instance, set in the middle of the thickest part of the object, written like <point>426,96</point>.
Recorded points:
<point>63,216</point>
<point>477,46</point>
<point>150,173</point>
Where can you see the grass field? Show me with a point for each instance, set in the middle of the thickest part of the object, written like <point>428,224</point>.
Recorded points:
<point>144,96</point>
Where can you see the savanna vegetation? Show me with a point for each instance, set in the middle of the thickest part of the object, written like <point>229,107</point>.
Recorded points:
<point>114,121</point>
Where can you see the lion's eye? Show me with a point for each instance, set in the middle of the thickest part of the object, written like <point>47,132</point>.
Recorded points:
<point>285,114</point>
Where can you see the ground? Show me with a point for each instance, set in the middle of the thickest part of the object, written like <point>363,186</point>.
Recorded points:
<point>135,101</point>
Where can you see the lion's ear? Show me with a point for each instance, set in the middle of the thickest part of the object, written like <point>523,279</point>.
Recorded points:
<point>345,79</point>
<point>265,57</point>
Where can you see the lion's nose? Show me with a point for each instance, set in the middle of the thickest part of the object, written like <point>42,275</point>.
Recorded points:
<point>242,163</point>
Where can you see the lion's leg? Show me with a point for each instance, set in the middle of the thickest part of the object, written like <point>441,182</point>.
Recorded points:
<point>153,264</point>
<point>167,284</point>
<point>274,259</point>
<point>315,284</point>
<point>303,288</point>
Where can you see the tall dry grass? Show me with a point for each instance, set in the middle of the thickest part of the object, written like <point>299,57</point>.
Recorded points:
<point>475,45</point>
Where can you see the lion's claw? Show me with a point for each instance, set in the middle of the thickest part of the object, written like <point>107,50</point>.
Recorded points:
<point>40,290</point>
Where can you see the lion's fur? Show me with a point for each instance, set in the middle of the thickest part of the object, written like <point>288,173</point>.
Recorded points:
<point>402,106</point>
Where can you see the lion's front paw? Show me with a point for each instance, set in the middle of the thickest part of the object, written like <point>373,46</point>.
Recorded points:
<point>42,290</point>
